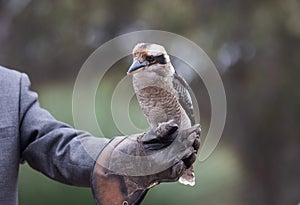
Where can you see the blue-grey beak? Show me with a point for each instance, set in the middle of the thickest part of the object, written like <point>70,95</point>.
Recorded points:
<point>136,65</point>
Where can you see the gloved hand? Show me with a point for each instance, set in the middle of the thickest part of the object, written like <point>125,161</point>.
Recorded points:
<point>129,166</point>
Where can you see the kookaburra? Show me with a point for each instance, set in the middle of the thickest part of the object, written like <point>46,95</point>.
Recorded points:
<point>162,94</point>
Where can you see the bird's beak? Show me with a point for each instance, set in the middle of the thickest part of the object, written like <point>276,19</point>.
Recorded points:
<point>136,66</point>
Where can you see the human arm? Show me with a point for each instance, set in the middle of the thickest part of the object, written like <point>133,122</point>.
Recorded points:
<point>67,155</point>
<point>52,147</point>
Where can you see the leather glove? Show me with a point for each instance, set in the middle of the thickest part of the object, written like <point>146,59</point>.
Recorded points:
<point>129,166</point>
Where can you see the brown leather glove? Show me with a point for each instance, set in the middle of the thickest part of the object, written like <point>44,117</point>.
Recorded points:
<point>129,166</point>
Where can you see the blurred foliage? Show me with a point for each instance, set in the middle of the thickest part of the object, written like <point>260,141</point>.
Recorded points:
<point>255,45</point>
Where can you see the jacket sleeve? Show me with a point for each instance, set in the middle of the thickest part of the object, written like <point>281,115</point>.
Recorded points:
<point>52,147</point>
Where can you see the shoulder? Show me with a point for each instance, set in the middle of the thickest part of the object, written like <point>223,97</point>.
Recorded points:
<point>12,83</point>
<point>8,71</point>
<point>14,92</point>
<point>9,75</point>
<point>11,78</point>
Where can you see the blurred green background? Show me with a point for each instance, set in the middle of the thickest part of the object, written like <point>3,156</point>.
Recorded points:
<point>255,46</point>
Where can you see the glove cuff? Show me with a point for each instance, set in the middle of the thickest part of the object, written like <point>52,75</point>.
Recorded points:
<point>110,188</point>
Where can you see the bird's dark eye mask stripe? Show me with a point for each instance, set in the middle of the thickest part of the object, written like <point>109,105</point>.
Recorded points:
<point>156,59</point>
<point>160,59</point>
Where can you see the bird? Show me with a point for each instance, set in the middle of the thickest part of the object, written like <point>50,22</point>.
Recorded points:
<point>162,93</point>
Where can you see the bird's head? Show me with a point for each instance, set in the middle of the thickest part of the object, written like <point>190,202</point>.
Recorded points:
<point>150,58</point>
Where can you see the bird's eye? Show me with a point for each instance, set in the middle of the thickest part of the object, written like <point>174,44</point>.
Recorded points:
<point>150,58</point>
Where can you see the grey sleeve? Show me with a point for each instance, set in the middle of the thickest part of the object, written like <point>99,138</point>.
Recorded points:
<point>52,147</point>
